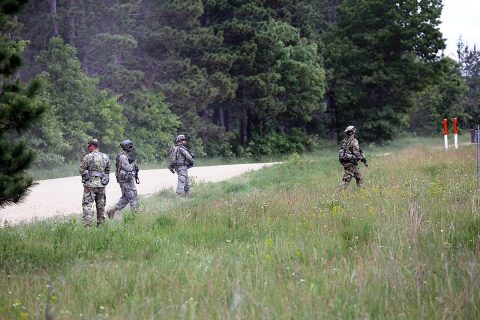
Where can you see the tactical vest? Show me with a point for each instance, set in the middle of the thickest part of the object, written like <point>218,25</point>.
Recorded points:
<point>96,168</point>
<point>122,176</point>
<point>345,155</point>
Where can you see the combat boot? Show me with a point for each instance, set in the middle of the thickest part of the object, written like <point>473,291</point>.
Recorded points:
<point>111,213</point>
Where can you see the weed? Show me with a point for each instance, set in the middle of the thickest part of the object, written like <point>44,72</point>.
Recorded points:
<point>467,234</point>
<point>164,222</point>
<point>269,244</point>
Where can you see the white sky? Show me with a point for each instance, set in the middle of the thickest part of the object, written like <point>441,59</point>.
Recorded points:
<point>460,18</point>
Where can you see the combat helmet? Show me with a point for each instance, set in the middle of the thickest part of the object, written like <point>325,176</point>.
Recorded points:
<point>350,130</point>
<point>93,142</point>
<point>126,145</point>
<point>180,137</point>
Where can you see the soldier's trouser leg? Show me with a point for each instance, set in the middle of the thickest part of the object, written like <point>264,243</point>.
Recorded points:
<point>183,183</point>
<point>87,206</point>
<point>129,195</point>
<point>100,200</point>
<point>348,174</point>
<point>358,177</point>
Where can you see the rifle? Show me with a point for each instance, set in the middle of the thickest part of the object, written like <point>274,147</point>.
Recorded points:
<point>135,169</point>
<point>190,165</point>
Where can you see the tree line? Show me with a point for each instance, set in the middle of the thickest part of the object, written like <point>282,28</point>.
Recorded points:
<point>240,77</point>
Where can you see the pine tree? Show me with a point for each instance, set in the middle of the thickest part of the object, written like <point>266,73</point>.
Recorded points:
<point>19,109</point>
<point>177,49</point>
<point>278,78</point>
<point>378,55</point>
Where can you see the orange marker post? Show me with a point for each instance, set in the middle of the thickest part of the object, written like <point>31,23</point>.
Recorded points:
<point>455,132</point>
<point>445,133</point>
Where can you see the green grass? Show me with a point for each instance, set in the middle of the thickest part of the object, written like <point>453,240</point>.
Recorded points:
<point>276,243</point>
<point>70,169</point>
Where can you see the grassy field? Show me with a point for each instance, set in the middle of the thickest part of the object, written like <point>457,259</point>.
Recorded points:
<point>273,244</point>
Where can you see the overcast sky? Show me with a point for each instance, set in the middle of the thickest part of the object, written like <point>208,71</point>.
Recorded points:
<point>460,18</point>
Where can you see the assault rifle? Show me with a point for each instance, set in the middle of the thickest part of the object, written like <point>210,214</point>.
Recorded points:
<point>135,169</point>
<point>193,157</point>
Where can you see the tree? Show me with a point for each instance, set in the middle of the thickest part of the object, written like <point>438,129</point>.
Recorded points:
<point>81,110</point>
<point>440,100</point>
<point>152,126</point>
<point>279,81</point>
<point>177,50</point>
<point>469,59</point>
<point>19,110</point>
<point>379,54</point>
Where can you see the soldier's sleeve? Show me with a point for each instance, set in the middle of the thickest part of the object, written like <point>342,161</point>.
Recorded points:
<point>107,164</point>
<point>84,164</point>
<point>124,165</point>
<point>173,157</point>
<point>187,155</point>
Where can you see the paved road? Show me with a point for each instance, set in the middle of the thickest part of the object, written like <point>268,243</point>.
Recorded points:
<point>64,196</point>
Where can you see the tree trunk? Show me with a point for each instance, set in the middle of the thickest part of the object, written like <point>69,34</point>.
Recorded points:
<point>71,23</point>
<point>244,126</point>
<point>249,128</point>
<point>221,116</point>
<point>227,120</point>
<point>53,12</point>
<point>83,46</point>
<point>332,111</point>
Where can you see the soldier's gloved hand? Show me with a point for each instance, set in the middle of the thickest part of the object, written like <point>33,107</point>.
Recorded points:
<point>365,162</point>
<point>172,170</point>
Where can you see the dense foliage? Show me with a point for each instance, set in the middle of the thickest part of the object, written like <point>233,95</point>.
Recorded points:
<point>19,109</point>
<point>381,52</point>
<point>240,77</point>
<point>470,67</point>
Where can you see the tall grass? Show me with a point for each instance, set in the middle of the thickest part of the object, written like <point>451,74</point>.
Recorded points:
<point>71,168</point>
<point>276,244</point>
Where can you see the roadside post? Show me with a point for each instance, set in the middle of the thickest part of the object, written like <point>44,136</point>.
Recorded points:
<point>478,153</point>
<point>445,133</point>
<point>455,133</point>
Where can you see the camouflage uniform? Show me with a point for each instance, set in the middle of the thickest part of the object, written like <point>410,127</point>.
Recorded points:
<point>96,163</point>
<point>181,160</point>
<point>351,147</point>
<point>125,174</point>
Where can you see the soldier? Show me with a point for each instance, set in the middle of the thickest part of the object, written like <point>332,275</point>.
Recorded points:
<point>349,155</point>
<point>95,169</point>
<point>127,174</point>
<point>180,161</point>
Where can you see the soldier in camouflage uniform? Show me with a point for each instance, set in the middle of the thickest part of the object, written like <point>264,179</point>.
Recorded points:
<point>126,172</point>
<point>95,169</point>
<point>349,155</point>
<point>180,161</point>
